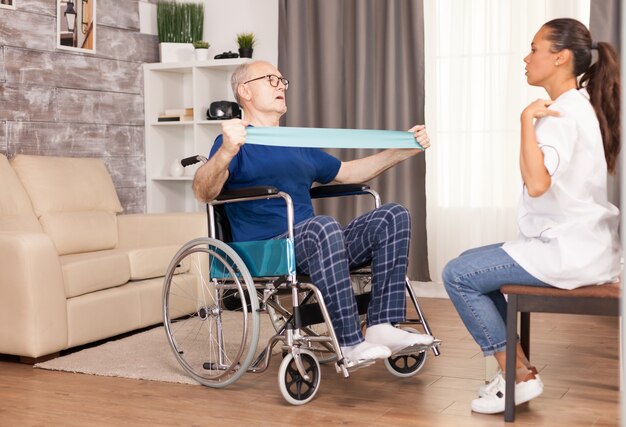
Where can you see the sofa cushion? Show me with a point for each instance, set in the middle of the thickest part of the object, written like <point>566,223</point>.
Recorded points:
<point>90,231</point>
<point>16,210</point>
<point>94,271</point>
<point>74,199</point>
<point>103,314</point>
<point>146,263</point>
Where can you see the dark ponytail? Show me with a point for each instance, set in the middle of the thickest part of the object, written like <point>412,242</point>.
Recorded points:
<point>603,84</point>
<point>602,79</point>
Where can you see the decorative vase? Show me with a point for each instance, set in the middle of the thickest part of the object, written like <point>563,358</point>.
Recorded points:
<point>176,169</point>
<point>245,52</point>
<point>202,54</point>
<point>176,52</point>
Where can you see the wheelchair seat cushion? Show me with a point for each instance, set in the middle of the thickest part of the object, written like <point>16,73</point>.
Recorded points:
<point>264,258</point>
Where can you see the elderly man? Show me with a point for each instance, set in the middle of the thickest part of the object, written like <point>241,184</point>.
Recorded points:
<point>324,249</point>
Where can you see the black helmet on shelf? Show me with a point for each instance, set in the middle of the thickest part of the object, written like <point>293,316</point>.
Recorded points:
<point>223,110</point>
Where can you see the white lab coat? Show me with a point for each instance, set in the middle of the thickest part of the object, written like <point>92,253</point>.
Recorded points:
<point>568,235</point>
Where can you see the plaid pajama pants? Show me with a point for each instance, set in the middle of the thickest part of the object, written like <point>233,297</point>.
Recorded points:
<point>326,252</point>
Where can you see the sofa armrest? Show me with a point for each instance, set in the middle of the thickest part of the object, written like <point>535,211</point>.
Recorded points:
<point>149,230</point>
<point>33,308</point>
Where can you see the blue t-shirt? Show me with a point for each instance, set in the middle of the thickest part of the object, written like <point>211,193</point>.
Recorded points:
<point>290,169</point>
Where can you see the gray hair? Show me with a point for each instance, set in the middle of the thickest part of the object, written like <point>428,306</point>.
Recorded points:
<point>239,76</point>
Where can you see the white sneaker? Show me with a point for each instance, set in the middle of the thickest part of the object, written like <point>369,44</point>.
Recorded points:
<point>396,339</point>
<point>364,351</point>
<point>486,389</point>
<point>493,403</point>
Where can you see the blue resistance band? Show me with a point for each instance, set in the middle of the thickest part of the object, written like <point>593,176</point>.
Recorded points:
<point>330,138</point>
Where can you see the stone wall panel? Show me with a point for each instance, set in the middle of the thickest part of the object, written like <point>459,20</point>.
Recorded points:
<point>42,7</point>
<point>70,70</point>
<point>75,140</point>
<point>3,138</point>
<point>26,102</point>
<point>127,45</point>
<point>133,199</point>
<point>41,32</point>
<point>87,106</point>
<point>110,13</point>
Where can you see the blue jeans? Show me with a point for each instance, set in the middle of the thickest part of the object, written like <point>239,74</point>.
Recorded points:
<point>473,281</point>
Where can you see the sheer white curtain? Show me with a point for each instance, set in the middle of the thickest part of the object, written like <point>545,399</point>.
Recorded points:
<point>475,92</point>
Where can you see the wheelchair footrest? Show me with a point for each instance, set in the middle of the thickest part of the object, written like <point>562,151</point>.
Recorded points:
<point>355,366</point>
<point>417,348</point>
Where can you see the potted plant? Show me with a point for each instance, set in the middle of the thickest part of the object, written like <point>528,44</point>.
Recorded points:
<point>246,42</point>
<point>202,50</point>
<point>178,26</point>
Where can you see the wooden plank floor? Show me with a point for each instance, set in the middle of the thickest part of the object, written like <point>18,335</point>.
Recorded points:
<point>577,357</point>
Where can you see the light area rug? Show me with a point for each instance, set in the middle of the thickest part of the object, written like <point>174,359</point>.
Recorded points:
<point>145,355</point>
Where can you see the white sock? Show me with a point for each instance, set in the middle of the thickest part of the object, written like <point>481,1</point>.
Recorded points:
<point>394,338</point>
<point>365,351</point>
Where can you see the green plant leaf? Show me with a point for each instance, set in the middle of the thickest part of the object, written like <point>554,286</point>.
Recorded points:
<point>201,44</point>
<point>179,22</point>
<point>246,40</point>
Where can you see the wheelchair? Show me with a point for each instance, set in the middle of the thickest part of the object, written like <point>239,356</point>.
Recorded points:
<point>215,292</point>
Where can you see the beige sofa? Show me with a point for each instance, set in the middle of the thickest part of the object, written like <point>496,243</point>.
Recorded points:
<point>73,270</point>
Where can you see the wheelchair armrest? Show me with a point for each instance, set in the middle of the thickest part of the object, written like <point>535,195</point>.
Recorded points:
<point>338,190</point>
<point>241,193</point>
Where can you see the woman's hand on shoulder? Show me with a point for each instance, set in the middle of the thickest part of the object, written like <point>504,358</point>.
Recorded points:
<point>538,109</point>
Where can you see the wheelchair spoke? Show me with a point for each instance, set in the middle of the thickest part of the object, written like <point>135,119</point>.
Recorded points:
<point>406,365</point>
<point>299,379</point>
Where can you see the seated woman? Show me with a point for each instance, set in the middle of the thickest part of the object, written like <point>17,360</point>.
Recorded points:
<point>567,228</point>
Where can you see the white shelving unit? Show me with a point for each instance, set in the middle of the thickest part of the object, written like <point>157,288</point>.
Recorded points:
<point>176,86</point>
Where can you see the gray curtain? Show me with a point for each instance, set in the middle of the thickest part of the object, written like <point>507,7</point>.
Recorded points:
<point>359,64</point>
<point>605,26</point>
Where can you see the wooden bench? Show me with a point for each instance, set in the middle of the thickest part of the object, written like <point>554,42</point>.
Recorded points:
<point>601,300</point>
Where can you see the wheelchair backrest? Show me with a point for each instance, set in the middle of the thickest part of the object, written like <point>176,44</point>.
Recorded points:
<point>222,226</point>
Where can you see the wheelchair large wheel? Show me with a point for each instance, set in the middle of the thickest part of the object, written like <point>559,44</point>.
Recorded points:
<point>294,387</point>
<point>212,341</point>
<point>406,365</point>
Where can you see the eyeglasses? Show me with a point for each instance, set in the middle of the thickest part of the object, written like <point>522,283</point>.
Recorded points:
<point>273,79</point>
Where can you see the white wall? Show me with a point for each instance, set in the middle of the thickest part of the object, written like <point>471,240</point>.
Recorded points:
<point>224,19</point>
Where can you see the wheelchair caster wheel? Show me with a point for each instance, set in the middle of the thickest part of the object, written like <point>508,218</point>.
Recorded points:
<point>406,365</point>
<point>294,388</point>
